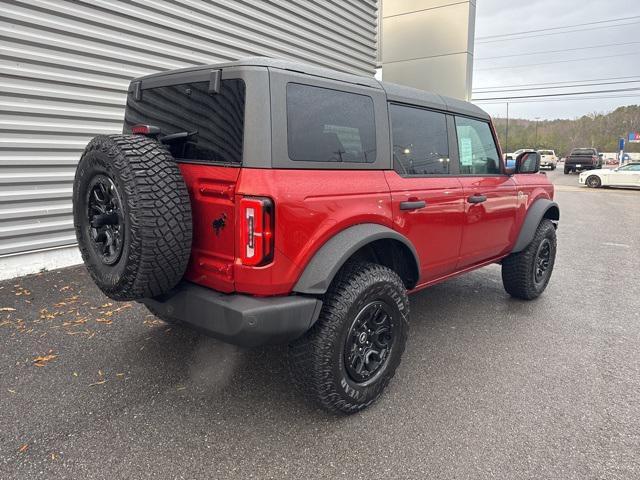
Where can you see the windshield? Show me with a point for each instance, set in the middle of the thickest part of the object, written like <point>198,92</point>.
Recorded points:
<point>546,152</point>
<point>214,122</point>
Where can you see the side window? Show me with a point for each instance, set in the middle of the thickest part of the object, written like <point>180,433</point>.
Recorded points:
<point>420,143</point>
<point>630,168</point>
<point>476,147</point>
<point>325,125</point>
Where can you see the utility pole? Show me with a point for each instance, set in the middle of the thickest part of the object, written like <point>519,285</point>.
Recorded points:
<point>506,141</point>
<point>536,145</point>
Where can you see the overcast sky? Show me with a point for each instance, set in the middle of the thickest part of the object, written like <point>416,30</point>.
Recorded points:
<point>499,17</point>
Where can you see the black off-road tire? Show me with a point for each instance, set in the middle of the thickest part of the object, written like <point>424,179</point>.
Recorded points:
<point>318,360</point>
<point>153,220</point>
<point>593,181</point>
<point>519,269</point>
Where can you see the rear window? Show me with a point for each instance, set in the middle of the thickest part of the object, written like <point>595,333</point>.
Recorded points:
<point>583,151</point>
<point>325,125</point>
<point>217,118</point>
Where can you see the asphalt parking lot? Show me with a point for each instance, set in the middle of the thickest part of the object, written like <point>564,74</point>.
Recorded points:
<point>489,387</point>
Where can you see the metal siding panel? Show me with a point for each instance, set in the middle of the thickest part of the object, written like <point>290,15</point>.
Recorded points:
<point>65,67</point>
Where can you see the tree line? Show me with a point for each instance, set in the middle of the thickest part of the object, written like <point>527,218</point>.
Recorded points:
<point>600,131</point>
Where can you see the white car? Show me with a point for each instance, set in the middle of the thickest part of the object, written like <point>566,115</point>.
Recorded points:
<point>626,176</point>
<point>548,159</point>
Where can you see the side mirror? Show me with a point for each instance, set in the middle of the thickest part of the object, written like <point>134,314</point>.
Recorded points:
<point>528,162</point>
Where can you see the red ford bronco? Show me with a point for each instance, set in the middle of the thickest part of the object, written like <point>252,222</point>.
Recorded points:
<point>264,201</point>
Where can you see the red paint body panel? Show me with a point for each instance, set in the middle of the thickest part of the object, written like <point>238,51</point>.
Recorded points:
<point>490,228</point>
<point>436,229</point>
<point>310,208</point>
<point>532,188</point>
<point>212,193</point>
<point>451,235</point>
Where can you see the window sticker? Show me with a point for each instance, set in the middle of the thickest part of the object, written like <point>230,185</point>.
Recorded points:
<point>466,152</point>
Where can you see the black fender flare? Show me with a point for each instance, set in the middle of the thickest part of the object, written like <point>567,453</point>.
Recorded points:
<point>536,212</point>
<point>323,266</point>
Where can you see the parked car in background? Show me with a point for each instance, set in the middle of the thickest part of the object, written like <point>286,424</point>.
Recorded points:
<point>548,159</point>
<point>626,176</point>
<point>582,159</point>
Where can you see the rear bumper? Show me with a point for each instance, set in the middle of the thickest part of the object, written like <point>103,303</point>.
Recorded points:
<point>239,319</point>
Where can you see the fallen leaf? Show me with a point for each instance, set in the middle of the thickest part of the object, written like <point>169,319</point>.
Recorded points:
<point>75,374</point>
<point>97,383</point>
<point>7,309</point>
<point>23,448</point>
<point>43,360</point>
<point>11,391</point>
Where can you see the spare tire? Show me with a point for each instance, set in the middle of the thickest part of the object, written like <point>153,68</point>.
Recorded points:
<point>132,216</point>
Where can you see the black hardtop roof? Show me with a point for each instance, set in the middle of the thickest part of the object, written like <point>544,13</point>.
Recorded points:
<point>395,92</point>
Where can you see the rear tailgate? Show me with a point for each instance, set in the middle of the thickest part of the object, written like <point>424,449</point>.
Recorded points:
<point>212,193</point>
<point>580,159</point>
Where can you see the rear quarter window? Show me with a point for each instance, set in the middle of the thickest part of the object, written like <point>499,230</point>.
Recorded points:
<point>326,125</point>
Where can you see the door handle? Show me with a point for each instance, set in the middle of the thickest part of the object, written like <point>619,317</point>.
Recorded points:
<point>413,205</point>
<point>477,199</point>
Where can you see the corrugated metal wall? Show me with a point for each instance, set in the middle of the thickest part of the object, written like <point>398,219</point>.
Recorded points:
<point>65,67</point>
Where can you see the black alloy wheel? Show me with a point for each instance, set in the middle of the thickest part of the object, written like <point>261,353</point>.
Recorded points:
<point>542,261</point>
<point>369,342</point>
<point>104,214</point>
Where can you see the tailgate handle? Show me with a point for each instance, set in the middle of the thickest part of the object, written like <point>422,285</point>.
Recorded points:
<point>477,199</point>
<point>413,205</point>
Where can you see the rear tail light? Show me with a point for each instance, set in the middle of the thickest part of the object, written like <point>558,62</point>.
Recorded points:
<point>256,230</point>
<point>141,129</point>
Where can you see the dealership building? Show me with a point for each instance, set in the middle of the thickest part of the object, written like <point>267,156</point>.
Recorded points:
<point>65,67</point>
